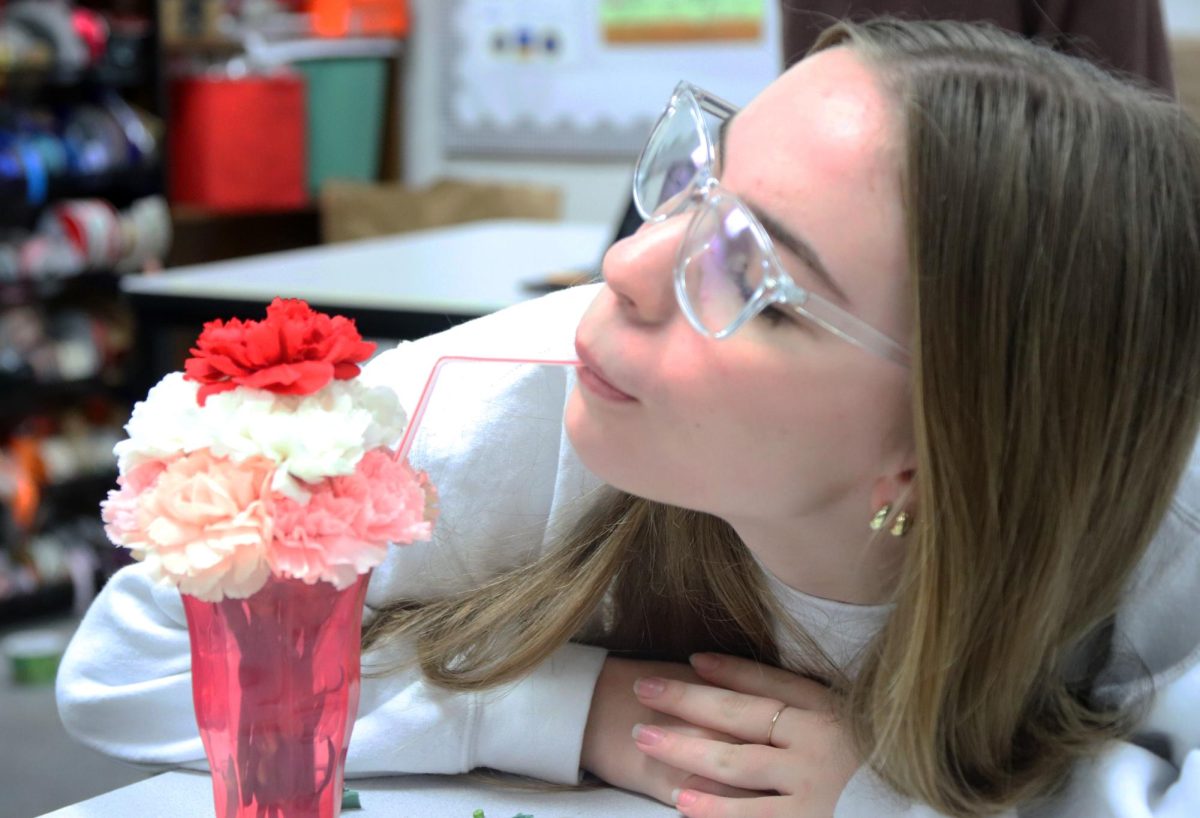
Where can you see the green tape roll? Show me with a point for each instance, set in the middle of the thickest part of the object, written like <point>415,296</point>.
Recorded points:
<point>33,656</point>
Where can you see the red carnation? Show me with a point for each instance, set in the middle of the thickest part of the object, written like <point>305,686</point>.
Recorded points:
<point>295,351</point>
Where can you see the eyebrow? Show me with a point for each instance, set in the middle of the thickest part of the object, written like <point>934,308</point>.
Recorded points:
<point>797,244</point>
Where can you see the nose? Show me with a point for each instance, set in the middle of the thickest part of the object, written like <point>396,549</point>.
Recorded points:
<point>639,269</point>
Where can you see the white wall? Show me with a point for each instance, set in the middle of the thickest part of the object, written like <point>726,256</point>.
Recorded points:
<point>1183,17</point>
<point>595,191</point>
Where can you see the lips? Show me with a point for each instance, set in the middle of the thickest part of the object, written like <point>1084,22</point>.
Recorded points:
<point>593,378</point>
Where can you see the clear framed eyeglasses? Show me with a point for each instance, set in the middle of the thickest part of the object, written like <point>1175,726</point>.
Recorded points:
<point>727,270</point>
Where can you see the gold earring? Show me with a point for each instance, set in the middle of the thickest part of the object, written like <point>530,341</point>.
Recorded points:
<point>902,524</point>
<point>880,517</point>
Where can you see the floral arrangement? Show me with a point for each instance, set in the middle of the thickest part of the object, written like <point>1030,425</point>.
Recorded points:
<point>267,456</point>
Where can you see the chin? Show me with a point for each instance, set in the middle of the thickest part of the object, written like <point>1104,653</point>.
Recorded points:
<point>609,459</point>
<point>591,443</point>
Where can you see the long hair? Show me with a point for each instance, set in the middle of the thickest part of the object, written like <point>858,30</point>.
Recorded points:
<point>1052,224</point>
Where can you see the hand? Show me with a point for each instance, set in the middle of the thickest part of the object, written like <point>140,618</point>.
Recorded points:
<point>608,749</point>
<point>797,763</point>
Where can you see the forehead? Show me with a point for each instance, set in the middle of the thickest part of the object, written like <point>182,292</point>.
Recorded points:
<point>818,150</point>
<point>827,111</point>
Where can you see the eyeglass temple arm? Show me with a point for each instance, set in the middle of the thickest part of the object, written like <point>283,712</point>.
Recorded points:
<point>849,327</point>
<point>713,104</point>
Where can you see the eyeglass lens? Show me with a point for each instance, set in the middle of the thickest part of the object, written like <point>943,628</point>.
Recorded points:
<point>723,265</point>
<point>721,261</point>
<point>674,157</point>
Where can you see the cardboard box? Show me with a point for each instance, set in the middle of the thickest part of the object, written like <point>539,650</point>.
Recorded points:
<point>354,210</point>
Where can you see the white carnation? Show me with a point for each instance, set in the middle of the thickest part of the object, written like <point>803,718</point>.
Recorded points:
<point>311,437</point>
<point>163,425</point>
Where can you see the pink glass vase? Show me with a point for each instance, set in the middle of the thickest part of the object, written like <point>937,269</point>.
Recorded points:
<point>275,683</point>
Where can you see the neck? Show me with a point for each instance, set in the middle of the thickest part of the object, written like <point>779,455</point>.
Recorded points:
<point>826,557</point>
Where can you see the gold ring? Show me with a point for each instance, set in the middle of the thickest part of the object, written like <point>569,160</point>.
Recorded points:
<point>775,718</point>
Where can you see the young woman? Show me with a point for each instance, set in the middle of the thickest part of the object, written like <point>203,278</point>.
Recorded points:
<point>867,503</point>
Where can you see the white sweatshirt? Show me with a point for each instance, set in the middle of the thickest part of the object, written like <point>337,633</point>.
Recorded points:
<point>493,442</point>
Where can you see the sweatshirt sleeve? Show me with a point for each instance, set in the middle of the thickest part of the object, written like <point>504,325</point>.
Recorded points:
<point>1155,773</point>
<point>508,485</point>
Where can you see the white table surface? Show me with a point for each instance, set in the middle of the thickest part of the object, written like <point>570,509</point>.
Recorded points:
<point>473,268</point>
<point>189,795</point>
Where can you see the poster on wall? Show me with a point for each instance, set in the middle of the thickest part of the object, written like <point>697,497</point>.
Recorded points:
<point>587,78</point>
<point>681,21</point>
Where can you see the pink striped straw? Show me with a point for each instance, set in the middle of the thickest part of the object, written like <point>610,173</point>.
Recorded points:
<point>423,401</point>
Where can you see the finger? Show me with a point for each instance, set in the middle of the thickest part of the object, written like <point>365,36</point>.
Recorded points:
<point>748,766</point>
<point>706,785</point>
<point>743,716</point>
<point>675,781</point>
<point>695,804</point>
<point>758,679</point>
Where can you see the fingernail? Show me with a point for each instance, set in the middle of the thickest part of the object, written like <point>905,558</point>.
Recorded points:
<point>684,798</point>
<point>704,661</point>
<point>645,734</point>
<point>649,687</point>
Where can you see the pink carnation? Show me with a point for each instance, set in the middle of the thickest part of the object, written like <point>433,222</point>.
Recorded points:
<point>119,511</point>
<point>344,529</point>
<point>400,505</point>
<point>205,523</point>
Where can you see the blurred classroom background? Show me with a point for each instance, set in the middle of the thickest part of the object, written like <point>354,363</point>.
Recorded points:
<point>412,164</point>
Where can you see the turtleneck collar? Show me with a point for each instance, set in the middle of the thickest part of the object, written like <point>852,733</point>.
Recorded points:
<point>841,629</point>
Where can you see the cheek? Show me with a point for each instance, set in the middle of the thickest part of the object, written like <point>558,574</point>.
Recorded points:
<point>789,441</point>
<point>681,445</point>
<point>731,437</point>
<point>799,438</point>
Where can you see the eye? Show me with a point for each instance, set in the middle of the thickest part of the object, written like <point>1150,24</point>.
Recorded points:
<point>783,315</point>
<point>776,315</point>
<point>737,265</point>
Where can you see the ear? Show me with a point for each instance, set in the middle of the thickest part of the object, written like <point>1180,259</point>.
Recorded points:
<point>897,489</point>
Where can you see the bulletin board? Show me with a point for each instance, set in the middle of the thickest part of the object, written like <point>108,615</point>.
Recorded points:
<point>588,78</point>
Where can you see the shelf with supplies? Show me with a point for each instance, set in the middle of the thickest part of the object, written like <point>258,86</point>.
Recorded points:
<point>82,487</point>
<point>82,203</point>
<point>36,599</point>
<point>29,78</point>
<point>81,240</point>
<point>56,465</point>
<point>53,285</point>
<point>100,146</point>
<point>54,469</point>
<point>55,43</point>
<point>24,396</point>
<point>120,187</point>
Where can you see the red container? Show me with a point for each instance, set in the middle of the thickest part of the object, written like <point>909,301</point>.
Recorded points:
<point>238,144</point>
<point>275,684</point>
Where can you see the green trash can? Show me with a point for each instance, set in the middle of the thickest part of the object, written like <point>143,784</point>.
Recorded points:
<point>346,103</point>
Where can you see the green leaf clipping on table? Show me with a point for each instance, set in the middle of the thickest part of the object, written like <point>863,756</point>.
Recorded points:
<point>350,799</point>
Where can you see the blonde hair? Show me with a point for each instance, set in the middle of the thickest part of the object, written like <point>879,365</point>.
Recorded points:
<point>1054,239</point>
